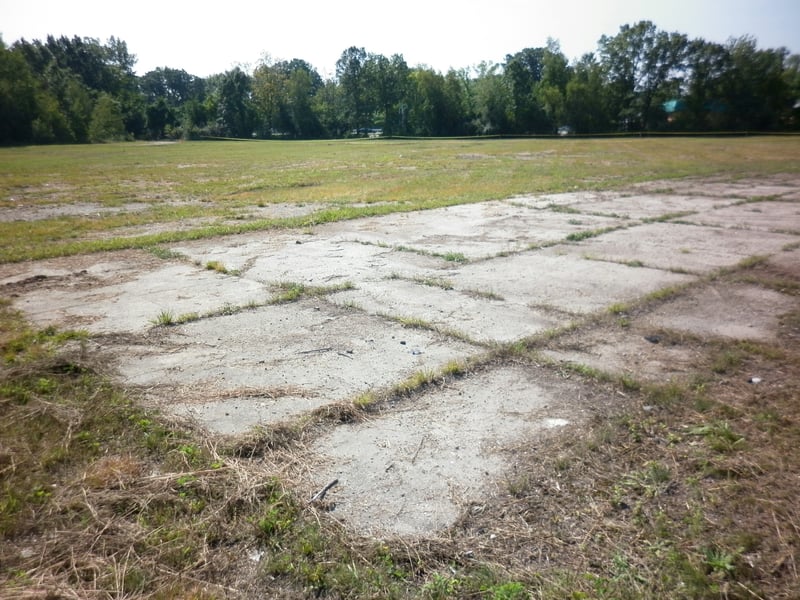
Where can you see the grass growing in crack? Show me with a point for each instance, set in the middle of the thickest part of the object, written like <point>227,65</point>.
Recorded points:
<point>457,257</point>
<point>165,253</point>
<point>219,267</point>
<point>415,323</point>
<point>577,236</point>
<point>485,294</point>
<point>291,292</point>
<point>165,318</point>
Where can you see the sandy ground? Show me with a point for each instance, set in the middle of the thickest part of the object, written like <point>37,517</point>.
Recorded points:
<point>469,277</point>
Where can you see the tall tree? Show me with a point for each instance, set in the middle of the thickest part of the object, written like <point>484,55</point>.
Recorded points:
<point>388,82</point>
<point>107,124</point>
<point>235,107</point>
<point>586,103</point>
<point>493,100</point>
<point>523,72</point>
<point>352,74</point>
<point>641,62</point>
<point>18,107</point>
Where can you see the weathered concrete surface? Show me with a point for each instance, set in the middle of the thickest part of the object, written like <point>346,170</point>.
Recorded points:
<point>428,288</point>
<point>681,247</point>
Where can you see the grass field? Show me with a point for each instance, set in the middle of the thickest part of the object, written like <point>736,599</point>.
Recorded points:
<point>139,195</point>
<point>695,497</point>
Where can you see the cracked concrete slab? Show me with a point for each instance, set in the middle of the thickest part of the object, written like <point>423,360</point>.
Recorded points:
<point>681,247</point>
<point>381,464</point>
<point>763,216</point>
<point>284,358</point>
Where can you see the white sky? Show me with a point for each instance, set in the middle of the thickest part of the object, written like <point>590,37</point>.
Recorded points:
<point>204,38</point>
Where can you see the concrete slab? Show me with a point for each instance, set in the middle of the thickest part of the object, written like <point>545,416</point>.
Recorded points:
<point>677,246</point>
<point>648,206</point>
<point>475,231</point>
<point>410,467</point>
<point>287,357</point>
<point>132,305</point>
<point>742,312</point>
<point>564,200</point>
<point>481,316</point>
<point>409,471</point>
<point>763,216</point>
<point>559,278</point>
<point>626,351</point>
<point>717,310</point>
<point>724,188</point>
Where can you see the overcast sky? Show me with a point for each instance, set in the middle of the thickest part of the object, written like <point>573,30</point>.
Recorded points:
<point>204,38</point>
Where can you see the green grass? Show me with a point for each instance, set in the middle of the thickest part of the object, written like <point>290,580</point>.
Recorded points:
<point>206,189</point>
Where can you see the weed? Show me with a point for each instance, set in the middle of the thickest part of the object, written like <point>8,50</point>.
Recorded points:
<point>619,308</point>
<point>719,435</point>
<point>164,253</point>
<point>165,318</point>
<point>215,265</point>
<point>485,294</point>
<point>457,257</point>
<point>562,208</point>
<point>414,323</point>
<point>513,590</point>
<point>441,587</point>
<point>726,361</point>
<point>719,562</point>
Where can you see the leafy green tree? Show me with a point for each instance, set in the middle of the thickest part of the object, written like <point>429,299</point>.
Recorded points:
<point>329,107</point>
<point>18,105</point>
<point>585,102</point>
<point>107,124</point>
<point>642,62</point>
<point>791,114</point>
<point>235,109</point>
<point>523,71</point>
<point>388,79</point>
<point>352,74</point>
<point>756,89</point>
<point>283,94</point>
<point>428,109</point>
<point>493,100</point>
<point>550,92</point>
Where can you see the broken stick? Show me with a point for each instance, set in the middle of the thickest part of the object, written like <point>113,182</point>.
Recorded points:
<point>321,494</point>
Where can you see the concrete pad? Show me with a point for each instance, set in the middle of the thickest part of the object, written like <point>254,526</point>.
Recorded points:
<point>788,261</point>
<point>476,231</point>
<point>410,471</point>
<point>724,188</point>
<point>289,357</point>
<point>564,200</point>
<point>412,465</point>
<point>625,351</point>
<point>324,261</point>
<point>483,319</point>
<point>690,248</point>
<point>133,304</point>
<point>735,311</point>
<point>562,281</point>
<point>648,206</point>
<point>764,216</point>
<point>718,310</point>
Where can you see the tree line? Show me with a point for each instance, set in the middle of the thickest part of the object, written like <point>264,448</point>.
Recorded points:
<point>78,90</point>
